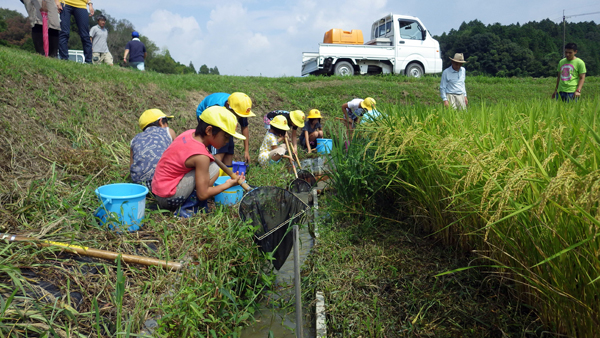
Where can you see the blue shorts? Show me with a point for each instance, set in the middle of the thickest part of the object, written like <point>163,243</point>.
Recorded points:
<point>566,97</point>
<point>138,65</point>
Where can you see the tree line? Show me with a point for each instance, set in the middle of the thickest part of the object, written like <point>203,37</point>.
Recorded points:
<point>533,49</point>
<point>15,32</point>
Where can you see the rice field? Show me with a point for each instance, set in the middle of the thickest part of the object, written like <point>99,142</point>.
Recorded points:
<point>517,183</point>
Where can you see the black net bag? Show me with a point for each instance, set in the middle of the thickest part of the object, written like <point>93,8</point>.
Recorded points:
<point>308,177</point>
<point>274,210</point>
<point>299,185</point>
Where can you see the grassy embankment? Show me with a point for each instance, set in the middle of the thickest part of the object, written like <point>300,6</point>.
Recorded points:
<point>66,128</point>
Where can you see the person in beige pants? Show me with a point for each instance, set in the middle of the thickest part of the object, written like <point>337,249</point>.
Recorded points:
<point>452,86</point>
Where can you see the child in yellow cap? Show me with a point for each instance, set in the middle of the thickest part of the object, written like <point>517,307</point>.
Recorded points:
<point>312,131</point>
<point>187,165</point>
<point>241,105</point>
<point>147,147</point>
<point>270,149</point>
<point>295,119</point>
<point>354,111</point>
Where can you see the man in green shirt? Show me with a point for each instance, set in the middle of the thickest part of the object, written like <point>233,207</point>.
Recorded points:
<point>571,75</point>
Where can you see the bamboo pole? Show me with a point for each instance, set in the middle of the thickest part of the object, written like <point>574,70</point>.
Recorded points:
<point>291,157</point>
<point>86,251</point>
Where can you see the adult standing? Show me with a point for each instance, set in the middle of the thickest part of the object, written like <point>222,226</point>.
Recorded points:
<point>571,75</point>
<point>35,18</point>
<point>239,104</point>
<point>137,52</point>
<point>452,86</point>
<point>77,8</point>
<point>98,36</point>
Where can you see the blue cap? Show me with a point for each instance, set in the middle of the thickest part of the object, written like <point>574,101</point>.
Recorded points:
<point>135,34</point>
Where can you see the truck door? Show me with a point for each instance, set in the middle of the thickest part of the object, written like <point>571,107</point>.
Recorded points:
<point>412,44</point>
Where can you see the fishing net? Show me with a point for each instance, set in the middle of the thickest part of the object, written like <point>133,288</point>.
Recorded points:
<point>299,186</point>
<point>274,210</point>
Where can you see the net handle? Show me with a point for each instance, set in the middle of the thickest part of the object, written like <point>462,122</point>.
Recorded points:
<point>228,171</point>
<point>291,156</point>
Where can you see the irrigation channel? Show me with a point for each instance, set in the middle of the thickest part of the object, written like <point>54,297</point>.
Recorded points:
<point>274,318</point>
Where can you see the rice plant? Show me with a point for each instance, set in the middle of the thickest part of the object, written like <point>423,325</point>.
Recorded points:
<point>518,182</point>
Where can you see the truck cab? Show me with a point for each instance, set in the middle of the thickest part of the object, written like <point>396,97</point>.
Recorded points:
<point>398,44</point>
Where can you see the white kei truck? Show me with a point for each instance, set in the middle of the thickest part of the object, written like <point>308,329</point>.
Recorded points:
<point>399,44</point>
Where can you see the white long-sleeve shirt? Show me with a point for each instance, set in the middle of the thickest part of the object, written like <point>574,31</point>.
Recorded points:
<point>453,82</point>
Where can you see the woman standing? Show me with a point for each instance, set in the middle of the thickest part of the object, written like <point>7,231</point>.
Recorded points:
<point>77,8</point>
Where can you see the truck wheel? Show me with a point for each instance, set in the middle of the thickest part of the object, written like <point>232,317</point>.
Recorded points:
<point>343,68</point>
<point>414,70</point>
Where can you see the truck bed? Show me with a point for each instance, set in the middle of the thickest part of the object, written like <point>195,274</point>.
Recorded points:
<point>368,52</point>
<point>311,61</point>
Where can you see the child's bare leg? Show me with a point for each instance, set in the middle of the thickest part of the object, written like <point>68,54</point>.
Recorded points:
<point>278,152</point>
<point>219,156</point>
<point>227,159</point>
<point>348,124</point>
<point>313,136</point>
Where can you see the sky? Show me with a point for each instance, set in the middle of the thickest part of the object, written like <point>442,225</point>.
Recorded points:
<point>267,37</point>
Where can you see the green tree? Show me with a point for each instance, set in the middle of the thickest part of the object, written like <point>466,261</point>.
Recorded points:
<point>203,69</point>
<point>214,71</point>
<point>532,49</point>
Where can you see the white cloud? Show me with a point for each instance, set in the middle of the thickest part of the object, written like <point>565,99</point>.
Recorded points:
<point>245,40</point>
<point>167,26</point>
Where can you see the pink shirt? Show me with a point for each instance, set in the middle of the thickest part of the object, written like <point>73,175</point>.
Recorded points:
<point>171,166</point>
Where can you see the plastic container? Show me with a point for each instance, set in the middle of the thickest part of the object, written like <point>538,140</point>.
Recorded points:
<point>240,166</point>
<point>339,36</point>
<point>230,196</point>
<point>324,145</point>
<point>223,174</point>
<point>123,205</point>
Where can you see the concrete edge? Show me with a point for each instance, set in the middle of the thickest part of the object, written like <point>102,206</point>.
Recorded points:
<point>320,315</point>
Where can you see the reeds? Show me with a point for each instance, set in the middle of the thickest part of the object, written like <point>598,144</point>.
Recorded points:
<point>518,182</point>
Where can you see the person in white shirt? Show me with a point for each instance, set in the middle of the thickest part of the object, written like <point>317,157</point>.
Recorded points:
<point>452,86</point>
<point>354,111</point>
<point>98,37</point>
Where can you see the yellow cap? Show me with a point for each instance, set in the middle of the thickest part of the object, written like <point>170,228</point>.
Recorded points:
<point>314,114</point>
<point>151,116</point>
<point>368,103</point>
<point>222,118</point>
<point>280,122</point>
<point>297,117</point>
<point>241,104</point>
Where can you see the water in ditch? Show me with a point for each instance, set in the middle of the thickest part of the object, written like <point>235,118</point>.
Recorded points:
<point>277,316</point>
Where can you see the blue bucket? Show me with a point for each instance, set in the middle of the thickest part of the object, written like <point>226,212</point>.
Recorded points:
<point>126,202</point>
<point>230,196</point>
<point>240,166</point>
<point>324,145</point>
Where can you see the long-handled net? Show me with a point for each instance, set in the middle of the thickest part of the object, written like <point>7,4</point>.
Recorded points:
<point>273,210</point>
